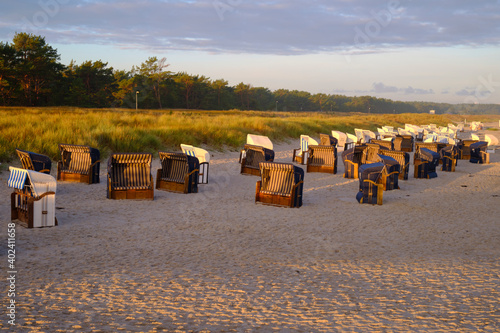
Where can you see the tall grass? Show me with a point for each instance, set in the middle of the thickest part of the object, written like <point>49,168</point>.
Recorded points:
<point>110,130</point>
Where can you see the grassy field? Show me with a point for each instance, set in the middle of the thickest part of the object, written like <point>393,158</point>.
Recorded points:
<point>116,130</point>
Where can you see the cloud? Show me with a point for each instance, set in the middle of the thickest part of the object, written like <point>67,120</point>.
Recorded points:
<point>265,27</point>
<point>381,88</point>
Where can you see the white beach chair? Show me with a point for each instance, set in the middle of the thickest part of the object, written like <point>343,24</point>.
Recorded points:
<point>33,199</point>
<point>300,155</point>
<point>341,138</point>
<point>203,157</point>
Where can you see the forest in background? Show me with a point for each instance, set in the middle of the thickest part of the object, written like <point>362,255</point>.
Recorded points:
<point>31,75</point>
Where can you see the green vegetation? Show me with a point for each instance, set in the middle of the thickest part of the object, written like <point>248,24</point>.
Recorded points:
<point>31,75</point>
<point>116,130</point>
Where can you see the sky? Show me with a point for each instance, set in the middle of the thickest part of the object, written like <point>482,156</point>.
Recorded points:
<point>407,50</point>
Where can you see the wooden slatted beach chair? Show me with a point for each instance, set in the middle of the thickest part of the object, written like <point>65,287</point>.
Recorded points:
<point>328,140</point>
<point>79,164</point>
<point>478,153</point>
<point>426,164</point>
<point>34,161</point>
<point>322,159</point>
<point>449,158</point>
<point>178,173</point>
<point>407,142</point>
<point>33,199</point>
<point>464,148</point>
<point>390,174</point>
<point>203,157</point>
<point>371,190</point>
<point>403,159</point>
<point>383,143</point>
<point>129,176</point>
<point>251,156</point>
<point>300,155</point>
<point>434,146</point>
<point>281,184</point>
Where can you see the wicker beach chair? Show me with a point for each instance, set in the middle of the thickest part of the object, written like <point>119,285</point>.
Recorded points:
<point>33,199</point>
<point>426,164</point>
<point>281,184</point>
<point>79,164</point>
<point>371,190</point>
<point>427,145</point>
<point>464,148</point>
<point>383,143</point>
<point>300,155</point>
<point>403,159</point>
<point>322,159</point>
<point>353,158</point>
<point>328,140</point>
<point>203,158</point>
<point>478,153</point>
<point>407,142</point>
<point>129,176</point>
<point>251,156</point>
<point>34,161</point>
<point>390,174</point>
<point>178,173</point>
<point>449,158</point>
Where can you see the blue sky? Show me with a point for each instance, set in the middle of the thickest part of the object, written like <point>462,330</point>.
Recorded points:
<point>409,50</point>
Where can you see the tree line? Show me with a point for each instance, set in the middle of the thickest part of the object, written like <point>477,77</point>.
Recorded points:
<point>31,75</point>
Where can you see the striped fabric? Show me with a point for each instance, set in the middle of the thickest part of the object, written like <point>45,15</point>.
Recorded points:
<point>304,144</point>
<point>17,178</point>
<point>130,171</point>
<point>277,178</point>
<point>174,166</point>
<point>75,159</point>
<point>322,155</point>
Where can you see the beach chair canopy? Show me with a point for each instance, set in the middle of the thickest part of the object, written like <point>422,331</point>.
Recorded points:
<point>36,182</point>
<point>306,141</point>
<point>341,138</point>
<point>202,155</point>
<point>491,140</point>
<point>77,158</point>
<point>328,140</point>
<point>259,140</point>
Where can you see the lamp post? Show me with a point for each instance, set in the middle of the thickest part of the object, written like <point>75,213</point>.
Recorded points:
<point>276,105</point>
<point>136,93</point>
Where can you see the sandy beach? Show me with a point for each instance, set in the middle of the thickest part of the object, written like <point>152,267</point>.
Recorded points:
<point>427,260</point>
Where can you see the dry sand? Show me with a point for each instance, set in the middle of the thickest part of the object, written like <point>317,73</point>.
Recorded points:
<point>426,260</point>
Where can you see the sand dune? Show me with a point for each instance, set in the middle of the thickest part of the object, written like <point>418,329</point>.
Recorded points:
<point>426,260</point>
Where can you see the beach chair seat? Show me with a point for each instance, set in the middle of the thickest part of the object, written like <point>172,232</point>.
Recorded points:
<point>390,174</point>
<point>300,155</point>
<point>129,176</point>
<point>251,156</point>
<point>78,163</point>
<point>371,190</point>
<point>449,158</point>
<point>34,161</point>
<point>426,164</point>
<point>33,199</point>
<point>478,153</point>
<point>281,184</point>
<point>178,173</point>
<point>203,158</point>
<point>322,159</point>
<point>403,159</point>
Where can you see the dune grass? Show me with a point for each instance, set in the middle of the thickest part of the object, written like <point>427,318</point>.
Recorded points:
<point>115,130</point>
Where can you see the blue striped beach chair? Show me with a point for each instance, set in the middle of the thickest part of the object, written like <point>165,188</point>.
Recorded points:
<point>203,158</point>
<point>33,199</point>
<point>300,155</point>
